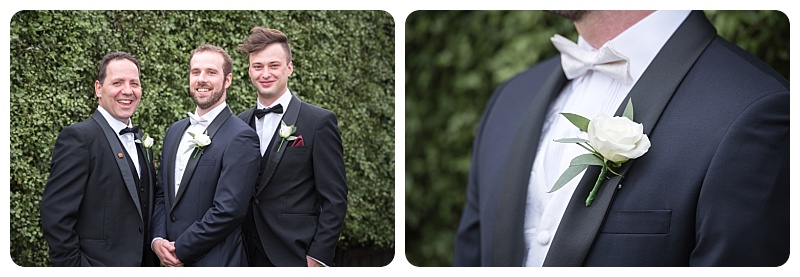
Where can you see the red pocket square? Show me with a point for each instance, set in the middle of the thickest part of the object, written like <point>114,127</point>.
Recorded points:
<point>298,141</point>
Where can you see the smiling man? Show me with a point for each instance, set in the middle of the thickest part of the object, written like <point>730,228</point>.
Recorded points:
<point>97,203</point>
<point>301,194</point>
<point>208,165</point>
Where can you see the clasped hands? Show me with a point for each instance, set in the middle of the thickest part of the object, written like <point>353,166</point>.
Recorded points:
<point>166,253</point>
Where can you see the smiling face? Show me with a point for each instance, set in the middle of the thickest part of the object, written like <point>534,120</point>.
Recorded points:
<point>208,83</point>
<point>269,72</point>
<point>120,92</point>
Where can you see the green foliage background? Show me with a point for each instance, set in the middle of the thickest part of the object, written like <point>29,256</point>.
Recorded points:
<point>344,61</point>
<point>455,60</point>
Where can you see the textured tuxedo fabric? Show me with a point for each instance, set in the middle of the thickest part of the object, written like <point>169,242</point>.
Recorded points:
<point>95,208</point>
<point>713,190</point>
<point>203,217</point>
<point>301,195</point>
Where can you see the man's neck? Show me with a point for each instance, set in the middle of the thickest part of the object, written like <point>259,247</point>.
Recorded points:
<point>598,27</point>
<point>269,101</point>
<point>108,115</point>
<point>202,112</point>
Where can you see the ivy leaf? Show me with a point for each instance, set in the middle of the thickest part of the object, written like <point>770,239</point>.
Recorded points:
<point>579,121</point>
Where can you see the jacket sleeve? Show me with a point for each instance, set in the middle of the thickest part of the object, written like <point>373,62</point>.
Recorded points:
<point>743,207</point>
<point>63,194</point>
<point>331,185</point>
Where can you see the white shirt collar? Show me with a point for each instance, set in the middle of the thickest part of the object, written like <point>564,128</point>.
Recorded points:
<point>115,124</point>
<point>642,41</point>
<point>212,114</point>
<point>283,100</point>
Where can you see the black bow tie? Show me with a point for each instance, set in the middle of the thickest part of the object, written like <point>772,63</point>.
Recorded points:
<point>134,129</point>
<point>274,109</point>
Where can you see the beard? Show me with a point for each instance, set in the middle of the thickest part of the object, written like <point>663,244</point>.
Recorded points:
<point>571,15</point>
<point>213,98</point>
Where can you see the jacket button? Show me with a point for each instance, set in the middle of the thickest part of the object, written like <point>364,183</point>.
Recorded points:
<point>256,201</point>
<point>172,218</point>
<point>140,229</point>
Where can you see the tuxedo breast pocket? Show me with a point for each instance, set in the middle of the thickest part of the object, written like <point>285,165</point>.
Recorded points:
<point>206,162</point>
<point>296,149</point>
<point>637,222</point>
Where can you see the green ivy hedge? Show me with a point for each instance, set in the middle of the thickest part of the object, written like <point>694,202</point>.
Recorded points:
<point>344,61</point>
<point>455,60</point>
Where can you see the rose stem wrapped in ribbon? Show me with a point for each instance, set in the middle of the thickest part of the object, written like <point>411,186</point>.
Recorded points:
<point>612,142</point>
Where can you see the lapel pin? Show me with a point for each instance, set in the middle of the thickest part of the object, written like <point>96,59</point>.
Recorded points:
<point>120,155</point>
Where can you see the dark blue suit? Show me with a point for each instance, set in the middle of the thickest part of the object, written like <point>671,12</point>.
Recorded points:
<point>713,190</point>
<point>204,218</point>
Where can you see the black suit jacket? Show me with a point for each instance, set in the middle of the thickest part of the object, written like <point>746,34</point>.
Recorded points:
<point>713,190</point>
<point>301,201</point>
<point>92,212</point>
<point>204,218</point>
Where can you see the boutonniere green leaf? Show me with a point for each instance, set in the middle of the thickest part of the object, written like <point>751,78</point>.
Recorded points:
<point>611,142</point>
<point>286,132</point>
<point>199,142</point>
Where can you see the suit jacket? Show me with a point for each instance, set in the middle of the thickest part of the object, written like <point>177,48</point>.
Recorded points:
<point>713,190</point>
<point>95,210</point>
<point>301,201</point>
<point>204,218</point>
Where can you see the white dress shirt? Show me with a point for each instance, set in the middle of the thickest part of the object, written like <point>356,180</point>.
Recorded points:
<point>185,151</point>
<point>266,126</point>
<point>126,139</point>
<point>587,95</point>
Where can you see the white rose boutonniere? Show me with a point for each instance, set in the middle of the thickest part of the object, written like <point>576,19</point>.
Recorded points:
<point>199,141</point>
<point>612,142</point>
<point>286,132</point>
<point>147,143</point>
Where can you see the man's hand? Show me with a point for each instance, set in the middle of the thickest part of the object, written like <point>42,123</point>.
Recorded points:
<point>166,252</point>
<point>312,263</point>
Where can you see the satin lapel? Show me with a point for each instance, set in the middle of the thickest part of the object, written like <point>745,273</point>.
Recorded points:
<point>149,166</point>
<point>290,118</point>
<point>509,243</point>
<point>248,117</point>
<point>650,95</point>
<point>192,163</point>
<point>119,156</point>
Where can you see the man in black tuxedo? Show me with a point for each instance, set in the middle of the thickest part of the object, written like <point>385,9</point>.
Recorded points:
<point>97,203</point>
<point>300,197</point>
<point>208,162</point>
<point>711,190</point>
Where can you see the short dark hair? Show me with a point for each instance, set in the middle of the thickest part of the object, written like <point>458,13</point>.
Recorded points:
<point>227,65</point>
<point>101,75</point>
<point>261,37</point>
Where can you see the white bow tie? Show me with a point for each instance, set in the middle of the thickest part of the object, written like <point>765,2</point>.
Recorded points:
<point>576,61</point>
<point>195,119</point>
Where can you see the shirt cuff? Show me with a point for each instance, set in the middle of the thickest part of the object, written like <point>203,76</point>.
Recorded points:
<point>154,240</point>
<point>323,264</point>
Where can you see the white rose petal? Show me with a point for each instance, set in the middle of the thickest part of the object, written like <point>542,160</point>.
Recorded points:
<point>148,142</point>
<point>285,131</point>
<point>617,138</point>
<point>202,140</point>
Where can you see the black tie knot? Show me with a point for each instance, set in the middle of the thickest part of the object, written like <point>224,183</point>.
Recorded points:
<point>274,109</point>
<point>134,129</point>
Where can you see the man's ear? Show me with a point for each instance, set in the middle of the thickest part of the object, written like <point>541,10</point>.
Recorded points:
<point>97,88</point>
